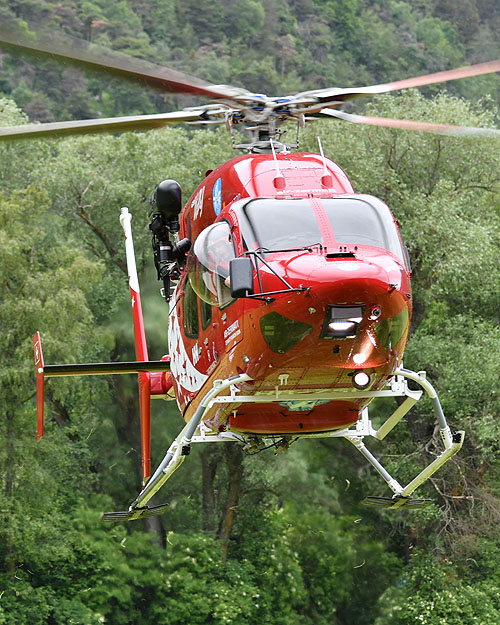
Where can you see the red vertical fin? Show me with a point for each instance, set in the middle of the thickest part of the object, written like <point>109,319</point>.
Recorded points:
<point>40,380</point>
<point>145,405</point>
<point>141,353</point>
<point>141,349</point>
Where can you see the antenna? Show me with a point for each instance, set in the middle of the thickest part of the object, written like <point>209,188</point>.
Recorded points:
<point>322,154</point>
<point>278,173</point>
<point>279,181</point>
<point>326,178</point>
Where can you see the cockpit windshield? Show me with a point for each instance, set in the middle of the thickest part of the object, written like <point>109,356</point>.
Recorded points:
<point>279,224</point>
<point>271,224</point>
<point>363,221</point>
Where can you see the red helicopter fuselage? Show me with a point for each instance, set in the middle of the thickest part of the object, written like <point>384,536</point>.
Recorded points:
<point>331,306</point>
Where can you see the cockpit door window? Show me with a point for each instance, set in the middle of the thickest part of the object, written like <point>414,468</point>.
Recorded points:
<point>209,264</point>
<point>190,310</point>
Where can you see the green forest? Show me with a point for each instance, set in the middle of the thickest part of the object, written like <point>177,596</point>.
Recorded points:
<point>298,548</point>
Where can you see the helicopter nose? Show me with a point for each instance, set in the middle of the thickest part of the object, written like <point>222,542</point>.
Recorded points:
<point>335,284</point>
<point>362,303</point>
<point>356,296</point>
<point>347,313</point>
<point>350,280</point>
<point>337,279</point>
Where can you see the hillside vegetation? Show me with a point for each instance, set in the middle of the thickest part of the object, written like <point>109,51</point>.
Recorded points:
<point>270,46</point>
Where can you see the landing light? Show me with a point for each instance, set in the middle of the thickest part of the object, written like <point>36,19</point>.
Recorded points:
<point>342,326</point>
<point>361,380</point>
<point>342,322</point>
<point>359,359</point>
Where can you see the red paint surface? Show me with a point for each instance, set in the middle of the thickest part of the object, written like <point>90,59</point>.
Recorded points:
<point>40,390</point>
<point>141,352</point>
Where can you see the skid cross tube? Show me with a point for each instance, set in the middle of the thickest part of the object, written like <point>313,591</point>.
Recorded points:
<point>452,441</point>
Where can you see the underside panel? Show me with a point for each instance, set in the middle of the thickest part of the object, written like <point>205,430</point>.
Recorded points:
<point>296,416</point>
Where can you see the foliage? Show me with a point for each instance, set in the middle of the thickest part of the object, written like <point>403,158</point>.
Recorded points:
<point>444,192</point>
<point>433,593</point>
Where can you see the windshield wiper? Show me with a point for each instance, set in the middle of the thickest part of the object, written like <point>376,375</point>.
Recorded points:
<point>306,248</point>
<point>256,256</point>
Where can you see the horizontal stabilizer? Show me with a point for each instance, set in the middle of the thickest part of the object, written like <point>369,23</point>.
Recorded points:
<point>396,502</point>
<point>135,513</point>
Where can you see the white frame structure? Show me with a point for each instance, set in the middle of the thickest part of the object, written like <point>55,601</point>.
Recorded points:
<point>195,431</point>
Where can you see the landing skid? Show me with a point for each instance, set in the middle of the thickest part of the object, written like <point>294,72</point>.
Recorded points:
<point>398,387</point>
<point>132,515</point>
<point>396,502</point>
<point>195,431</point>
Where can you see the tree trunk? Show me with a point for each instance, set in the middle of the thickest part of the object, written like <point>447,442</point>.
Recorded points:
<point>209,462</point>
<point>9,481</point>
<point>153,525</point>
<point>234,461</point>
<point>129,436</point>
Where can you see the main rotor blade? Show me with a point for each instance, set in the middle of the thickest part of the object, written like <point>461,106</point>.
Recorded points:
<point>406,124</point>
<point>92,126</point>
<point>96,57</point>
<point>335,97</point>
<point>452,74</point>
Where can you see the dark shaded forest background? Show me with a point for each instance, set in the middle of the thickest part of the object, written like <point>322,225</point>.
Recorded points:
<point>297,548</point>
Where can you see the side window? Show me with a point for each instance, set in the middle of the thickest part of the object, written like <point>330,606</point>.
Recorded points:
<point>206,314</point>
<point>190,309</point>
<point>212,251</point>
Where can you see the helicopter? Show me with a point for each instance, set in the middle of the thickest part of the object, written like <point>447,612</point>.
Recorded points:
<point>289,294</point>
